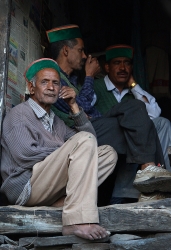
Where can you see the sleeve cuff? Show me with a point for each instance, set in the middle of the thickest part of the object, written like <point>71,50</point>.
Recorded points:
<point>80,118</point>
<point>90,79</point>
<point>138,92</point>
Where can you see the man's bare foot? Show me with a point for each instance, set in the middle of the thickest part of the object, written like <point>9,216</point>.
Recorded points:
<point>86,231</point>
<point>59,203</point>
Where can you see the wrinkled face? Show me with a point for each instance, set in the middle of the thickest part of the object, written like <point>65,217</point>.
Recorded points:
<point>46,89</point>
<point>76,56</point>
<point>119,70</point>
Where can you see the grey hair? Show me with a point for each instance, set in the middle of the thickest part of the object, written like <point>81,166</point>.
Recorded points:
<point>33,80</point>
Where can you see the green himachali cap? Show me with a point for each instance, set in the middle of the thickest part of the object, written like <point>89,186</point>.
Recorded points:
<point>65,32</point>
<point>119,51</point>
<point>38,65</point>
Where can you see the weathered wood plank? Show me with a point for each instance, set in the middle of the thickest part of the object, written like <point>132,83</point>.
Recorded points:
<point>16,220</point>
<point>91,246</point>
<point>7,247</point>
<point>143,216</point>
<point>53,248</point>
<point>55,241</point>
<point>122,237</point>
<point>157,242</point>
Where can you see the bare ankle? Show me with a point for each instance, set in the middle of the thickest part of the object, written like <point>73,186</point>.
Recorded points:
<point>59,202</point>
<point>143,166</point>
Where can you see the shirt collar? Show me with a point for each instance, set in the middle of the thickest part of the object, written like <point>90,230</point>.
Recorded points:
<point>111,87</point>
<point>38,110</point>
<point>72,78</point>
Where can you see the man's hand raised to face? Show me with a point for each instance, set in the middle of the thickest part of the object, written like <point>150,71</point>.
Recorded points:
<point>131,84</point>
<point>68,95</point>
<point>92,66</point>
<point>131,80</point>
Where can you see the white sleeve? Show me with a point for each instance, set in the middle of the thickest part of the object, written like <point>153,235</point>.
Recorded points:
<point>152,107</point>
<point>94,100</point>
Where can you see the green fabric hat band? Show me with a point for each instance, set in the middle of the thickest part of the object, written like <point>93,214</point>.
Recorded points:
<point>119,52</point>
<point>38,65</point>
<point>63,34</point>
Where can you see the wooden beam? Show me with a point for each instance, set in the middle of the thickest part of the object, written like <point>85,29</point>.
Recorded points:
<point>136,217</point>
<point>157,242</point>
<point>55,241</point>
<point>91,246</point>
<point>52,248</point>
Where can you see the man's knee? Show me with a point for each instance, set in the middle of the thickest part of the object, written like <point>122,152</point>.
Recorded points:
<point>134,106</point>
<point>84,134</point>
<point>85,137</point>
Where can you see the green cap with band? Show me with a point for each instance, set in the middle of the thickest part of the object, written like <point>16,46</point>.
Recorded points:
<point>65,32</point>
<point>38,65</point>
<point>119,51</point>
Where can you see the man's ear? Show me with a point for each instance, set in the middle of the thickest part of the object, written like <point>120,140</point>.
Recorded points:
<point>30,88</point>
<point>107,67</point>
<point>65,50</point>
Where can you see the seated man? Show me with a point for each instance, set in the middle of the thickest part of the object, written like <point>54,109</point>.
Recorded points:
<point>44,160</point>
<point>135,137</point>
<point>119,85</point>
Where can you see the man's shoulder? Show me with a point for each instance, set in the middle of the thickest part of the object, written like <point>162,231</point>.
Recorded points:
<point>17,112</point>
<point>99,85</point>
<point>17,108</point>
<point>99,81</point>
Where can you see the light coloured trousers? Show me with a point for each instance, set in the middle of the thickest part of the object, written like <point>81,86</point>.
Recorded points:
<point>75,169</point>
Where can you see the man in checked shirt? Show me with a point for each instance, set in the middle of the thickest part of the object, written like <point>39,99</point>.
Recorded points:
<point>127,127</point>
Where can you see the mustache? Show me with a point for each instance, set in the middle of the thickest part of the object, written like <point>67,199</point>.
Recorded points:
<point>122,72</point>
<point>50,93</point>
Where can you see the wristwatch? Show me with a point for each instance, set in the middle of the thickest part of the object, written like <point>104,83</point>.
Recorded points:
<point>133,85</point>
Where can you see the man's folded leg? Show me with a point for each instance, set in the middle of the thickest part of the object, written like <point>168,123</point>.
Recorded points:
<point>73,170</point>
<point>143,146</point>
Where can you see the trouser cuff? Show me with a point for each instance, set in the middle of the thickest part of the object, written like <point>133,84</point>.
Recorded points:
<point>80,217</point>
